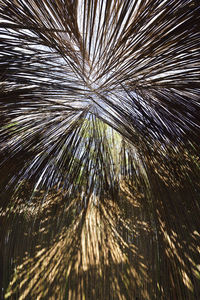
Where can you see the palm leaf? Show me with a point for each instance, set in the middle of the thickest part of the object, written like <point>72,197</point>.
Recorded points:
<point>99,115</point>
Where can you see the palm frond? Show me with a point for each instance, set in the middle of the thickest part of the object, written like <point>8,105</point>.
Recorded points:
<point>99,136</point>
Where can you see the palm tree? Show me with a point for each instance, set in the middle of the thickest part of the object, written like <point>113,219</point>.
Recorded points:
<point>99,177</point>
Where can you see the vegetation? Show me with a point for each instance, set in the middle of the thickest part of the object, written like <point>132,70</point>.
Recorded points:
<point>99,156</point>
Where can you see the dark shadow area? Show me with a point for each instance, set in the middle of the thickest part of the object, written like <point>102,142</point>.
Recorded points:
<point>142,244</point>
